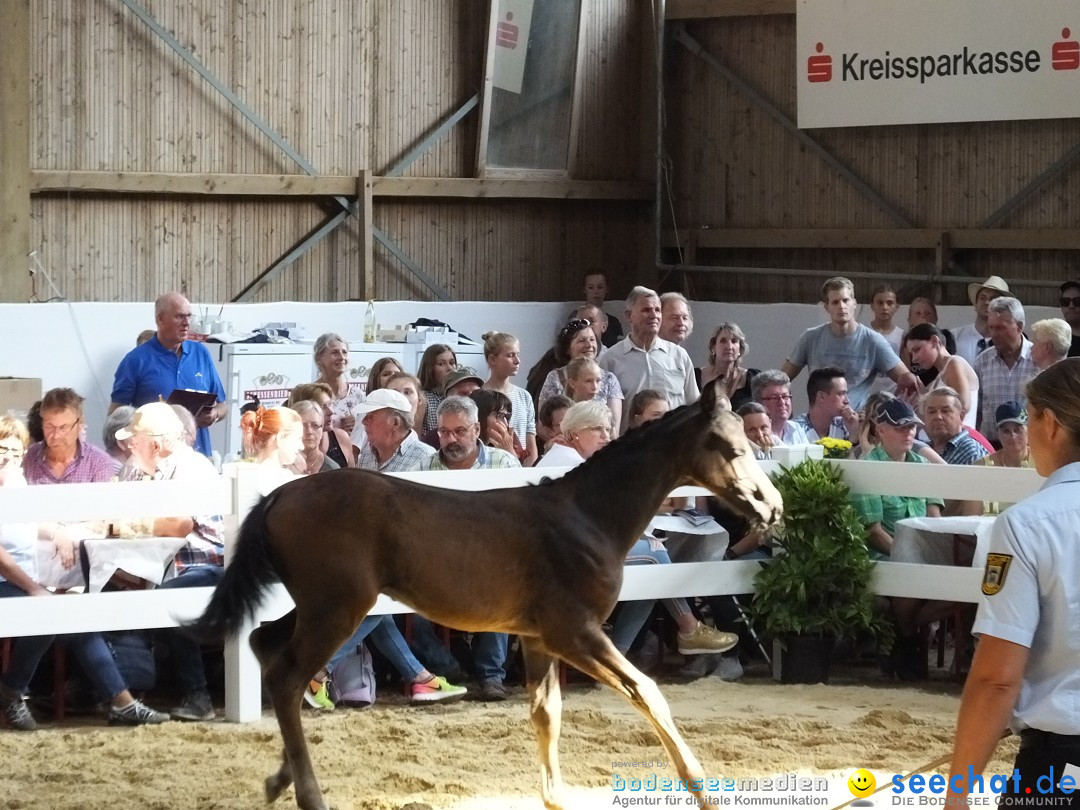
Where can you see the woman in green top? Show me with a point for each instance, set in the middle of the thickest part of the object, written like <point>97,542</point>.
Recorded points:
<point>895,424</point>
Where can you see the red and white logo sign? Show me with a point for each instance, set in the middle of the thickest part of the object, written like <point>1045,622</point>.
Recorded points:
<point>819,66</point>
<point>928,61</point>
<point>1065,55</point>
<point>506,33</point>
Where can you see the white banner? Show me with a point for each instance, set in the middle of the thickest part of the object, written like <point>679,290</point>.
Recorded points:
<point>511,43</point>
<point>929,61</point>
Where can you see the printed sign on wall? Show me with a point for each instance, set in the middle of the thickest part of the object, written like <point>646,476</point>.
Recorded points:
<point>932,61</point>
<point>512,43</point>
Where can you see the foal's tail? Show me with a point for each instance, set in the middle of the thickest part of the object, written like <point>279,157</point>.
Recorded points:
<point>240,591</point>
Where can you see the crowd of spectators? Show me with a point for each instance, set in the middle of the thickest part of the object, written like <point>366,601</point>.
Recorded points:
<point>923,395</point>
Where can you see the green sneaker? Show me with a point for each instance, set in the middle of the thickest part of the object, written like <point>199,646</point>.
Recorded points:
<point>317,697</point>
<point>438,688</point>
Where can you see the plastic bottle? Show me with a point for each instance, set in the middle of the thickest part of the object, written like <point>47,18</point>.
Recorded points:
<point>369,323</point>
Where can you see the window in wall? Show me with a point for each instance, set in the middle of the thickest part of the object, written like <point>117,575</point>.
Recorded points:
<point>530,80</point>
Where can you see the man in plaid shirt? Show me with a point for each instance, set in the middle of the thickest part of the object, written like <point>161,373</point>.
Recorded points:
<point>158,453</point>
<point>392,445</point>
<point>1006,367</point>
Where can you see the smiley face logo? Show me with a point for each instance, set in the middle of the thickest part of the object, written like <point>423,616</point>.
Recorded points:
<point>861,783</point>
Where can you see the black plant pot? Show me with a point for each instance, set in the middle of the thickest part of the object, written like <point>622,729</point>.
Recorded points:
<point>806,659</point>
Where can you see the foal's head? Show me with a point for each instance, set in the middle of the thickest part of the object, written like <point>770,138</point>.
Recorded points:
<point>722,460</point>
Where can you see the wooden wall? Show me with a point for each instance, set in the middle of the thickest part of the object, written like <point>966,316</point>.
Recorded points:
<point>735,167</point>
<point>352,85</point>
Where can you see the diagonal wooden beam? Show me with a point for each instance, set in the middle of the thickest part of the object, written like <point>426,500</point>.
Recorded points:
<point>777,115</point>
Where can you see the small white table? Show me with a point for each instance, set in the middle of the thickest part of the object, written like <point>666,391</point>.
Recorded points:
<point>930,541</point>
<point>147,558</point>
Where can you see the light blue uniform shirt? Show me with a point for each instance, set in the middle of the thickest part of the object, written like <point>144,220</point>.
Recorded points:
<point>1031,597</point>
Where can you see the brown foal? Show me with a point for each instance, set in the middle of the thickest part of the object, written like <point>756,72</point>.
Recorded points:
<point>548,566</point>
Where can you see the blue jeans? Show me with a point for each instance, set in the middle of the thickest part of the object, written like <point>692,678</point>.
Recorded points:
<point>489,656</point>
<point>428,647</point>
<point>386,636</point>
<point>184,652</point>
<point>89,649</point>
<point>633,615</point>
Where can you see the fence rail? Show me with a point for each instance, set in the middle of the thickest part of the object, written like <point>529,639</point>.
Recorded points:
<point>230,495</point>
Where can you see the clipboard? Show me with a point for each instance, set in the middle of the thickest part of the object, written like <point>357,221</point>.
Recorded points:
<point>193,401</point>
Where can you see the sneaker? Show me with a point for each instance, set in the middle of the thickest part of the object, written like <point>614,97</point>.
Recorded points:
<point>136,714</point>
<point>492,692</point>
<point>438,688</point>
<point>195,706</point>
<point>706,639</point>
<point>18,716</point>
<point>730,669</point>
<point>317,697</point>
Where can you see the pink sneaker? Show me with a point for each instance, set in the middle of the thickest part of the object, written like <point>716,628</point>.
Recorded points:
<point>437,689</point>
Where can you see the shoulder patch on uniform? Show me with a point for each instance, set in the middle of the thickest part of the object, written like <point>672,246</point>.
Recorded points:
<point>997,568</point>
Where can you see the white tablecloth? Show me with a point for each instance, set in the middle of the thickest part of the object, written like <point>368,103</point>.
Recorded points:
<point>930,540</point>
<point>147,558</point>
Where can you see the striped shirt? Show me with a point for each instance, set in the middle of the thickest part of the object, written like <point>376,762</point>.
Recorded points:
<point>962,449</point>
<point>999,384</point>
<point>411,454</point>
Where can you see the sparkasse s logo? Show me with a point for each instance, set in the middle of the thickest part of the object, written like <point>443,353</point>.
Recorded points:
<point>1065,55</point>
<point>819,66</point>
<point>967,61</point>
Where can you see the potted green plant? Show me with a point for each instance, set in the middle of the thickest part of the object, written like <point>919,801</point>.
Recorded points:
<point>816,588</point>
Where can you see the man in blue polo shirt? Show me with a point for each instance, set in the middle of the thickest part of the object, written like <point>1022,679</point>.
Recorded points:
<point>169,361</point>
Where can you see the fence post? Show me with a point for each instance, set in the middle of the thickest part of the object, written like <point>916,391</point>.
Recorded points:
<point>243,677</point>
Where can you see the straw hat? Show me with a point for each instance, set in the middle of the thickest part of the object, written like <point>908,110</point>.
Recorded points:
<point>996,283</point>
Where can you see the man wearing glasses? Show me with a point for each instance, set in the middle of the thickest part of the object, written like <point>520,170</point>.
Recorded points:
<point>460,448</point>
<point>1070,311</point>
<point>169,361</point>
<point>772,388</point>
<point>64,458</point>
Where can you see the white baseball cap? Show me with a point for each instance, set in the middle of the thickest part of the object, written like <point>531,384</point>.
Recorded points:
<point>384,398</point>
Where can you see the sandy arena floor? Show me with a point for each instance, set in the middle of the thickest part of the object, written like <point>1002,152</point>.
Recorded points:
<point>473,756</point>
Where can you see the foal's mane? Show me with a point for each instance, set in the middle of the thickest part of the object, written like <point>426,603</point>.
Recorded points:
<point>629,445</point>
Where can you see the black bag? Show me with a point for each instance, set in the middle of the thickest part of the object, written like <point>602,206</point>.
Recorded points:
<point>134,655</point>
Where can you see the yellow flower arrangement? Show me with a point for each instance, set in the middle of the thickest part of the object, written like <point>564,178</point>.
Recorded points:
<point>835,448</point>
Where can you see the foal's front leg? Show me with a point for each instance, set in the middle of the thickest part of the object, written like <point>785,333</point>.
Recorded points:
<point>545,710</point>
<point>593,653</point>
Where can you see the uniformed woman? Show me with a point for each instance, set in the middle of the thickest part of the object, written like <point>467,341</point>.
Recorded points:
<point>1026,672</point>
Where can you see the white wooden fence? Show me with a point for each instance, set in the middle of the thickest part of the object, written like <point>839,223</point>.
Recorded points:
<point>232,494</point>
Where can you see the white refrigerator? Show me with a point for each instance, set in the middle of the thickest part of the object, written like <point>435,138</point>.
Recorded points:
<point>270,370</point>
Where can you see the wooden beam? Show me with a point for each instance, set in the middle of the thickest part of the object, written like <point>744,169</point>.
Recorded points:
<point>302,185</point>
<point>367,238</point>
<point>15,151</point>
<point>260,185</point>
<point>505,188</point>
<point>878,238</point>
<point>710,9</point>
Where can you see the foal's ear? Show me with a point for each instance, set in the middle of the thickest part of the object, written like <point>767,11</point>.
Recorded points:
<point>708,398</point>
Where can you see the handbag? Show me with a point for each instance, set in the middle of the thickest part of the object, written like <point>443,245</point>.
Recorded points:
<point>352,683</point>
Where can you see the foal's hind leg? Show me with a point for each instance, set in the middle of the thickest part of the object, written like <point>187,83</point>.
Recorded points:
<point>593,653</point>
<point>267,641</point>
<point>313,642</point>
<point>542,680</point>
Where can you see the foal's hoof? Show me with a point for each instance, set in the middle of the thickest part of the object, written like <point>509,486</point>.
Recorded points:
<point>274,786</point>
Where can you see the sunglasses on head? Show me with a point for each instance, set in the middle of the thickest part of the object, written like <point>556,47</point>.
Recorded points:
<point>575,325</point>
